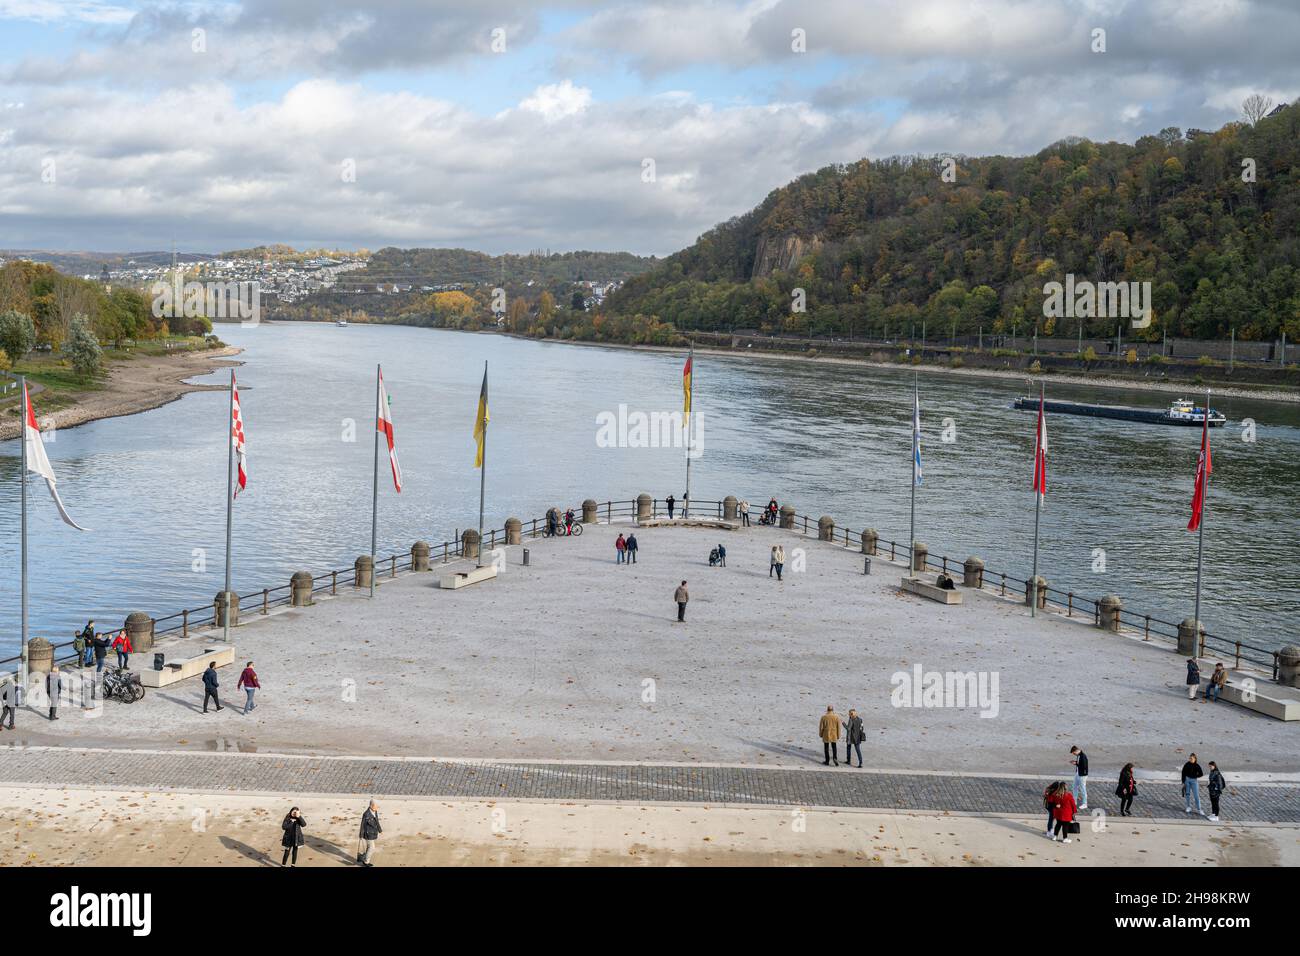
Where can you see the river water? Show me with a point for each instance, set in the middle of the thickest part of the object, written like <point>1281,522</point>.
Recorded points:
<point>829,438</point>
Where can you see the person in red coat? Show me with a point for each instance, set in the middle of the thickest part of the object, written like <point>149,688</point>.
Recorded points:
<point>1063,808</point>
<point>248,681</point>
<point>122,644</point>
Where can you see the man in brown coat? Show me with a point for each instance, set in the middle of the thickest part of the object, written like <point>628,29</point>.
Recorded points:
<point>829,731</point>
<point>681,597</point>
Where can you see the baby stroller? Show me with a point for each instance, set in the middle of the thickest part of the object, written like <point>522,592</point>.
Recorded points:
<point>767,518</point>
<point>714,558</point>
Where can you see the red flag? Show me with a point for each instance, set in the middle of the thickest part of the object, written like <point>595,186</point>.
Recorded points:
<point>384,423</point>
<point>1040,451</point>
<point>237,435</point>
<point>1203,468</point>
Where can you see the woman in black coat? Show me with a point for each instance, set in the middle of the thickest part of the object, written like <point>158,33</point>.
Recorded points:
<point>1125,790</point>
<point>292,839</point>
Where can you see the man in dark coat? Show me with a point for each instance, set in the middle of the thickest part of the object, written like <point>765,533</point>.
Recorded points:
<point>370,830</point>
<point>854,734</point>
<point>670,501</point>
<point>53,687</point>
<point>210,685</point>
<point>631,548</point>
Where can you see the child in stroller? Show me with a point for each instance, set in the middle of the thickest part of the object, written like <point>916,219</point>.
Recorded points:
<point>714,558</point>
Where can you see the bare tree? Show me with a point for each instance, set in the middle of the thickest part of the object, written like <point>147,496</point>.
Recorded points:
<point>1256,107</point>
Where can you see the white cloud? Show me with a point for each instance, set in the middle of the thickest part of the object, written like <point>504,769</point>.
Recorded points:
<point>557,100</point>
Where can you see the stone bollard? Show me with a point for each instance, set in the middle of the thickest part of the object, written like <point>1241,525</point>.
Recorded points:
<point>589,512</point>
<point>919,555</point>
<point>363,571</point>
<point>730,508</point>
<point>644,507</point>
<point>1188,633</point>
<point>139,630</point>
<point>787,516</point>
<point>514,531</point>
<point>869,539</point>
<point>40,656</point>
<point>469,543</point>
<point>825,528</point>
<point>219,604</point>
<point>1042,592</point>
<point>1110,607</point>
<point>973,573</point>
<point>300,586</point>
<point>420,556</point>
<point>1288,666</point>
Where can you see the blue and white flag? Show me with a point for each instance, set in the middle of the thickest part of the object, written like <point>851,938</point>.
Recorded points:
<point>916,436</point>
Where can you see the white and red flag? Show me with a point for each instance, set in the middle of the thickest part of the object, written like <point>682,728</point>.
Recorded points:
<point>237,436</point>
<point>384,423</point>
<point>1203,468</point>
<point>1040,452</point>
<point>38,461</point>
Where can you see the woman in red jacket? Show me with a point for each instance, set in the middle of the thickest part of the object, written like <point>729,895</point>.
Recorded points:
<point>1063,807</point>
<point>122,644</point>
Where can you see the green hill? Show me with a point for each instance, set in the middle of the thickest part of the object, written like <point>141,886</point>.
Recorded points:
<point>877,245</point>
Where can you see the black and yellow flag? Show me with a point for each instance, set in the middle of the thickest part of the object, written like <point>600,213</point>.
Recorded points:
<point>481,422</point>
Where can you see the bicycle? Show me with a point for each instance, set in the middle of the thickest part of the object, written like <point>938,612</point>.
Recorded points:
<point>123,685</point>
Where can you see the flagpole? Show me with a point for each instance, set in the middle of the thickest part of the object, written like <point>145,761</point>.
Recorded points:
<point>1038,507</point>
<point>22,476</point>
<point>482,479</point>
<point>686,505</point>
<point>1200,528</point>
<point>911,531</point>
<point>374,497</point>
<point>230,498</point>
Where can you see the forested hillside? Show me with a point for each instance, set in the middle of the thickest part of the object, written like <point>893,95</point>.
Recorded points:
<point>878,245</point>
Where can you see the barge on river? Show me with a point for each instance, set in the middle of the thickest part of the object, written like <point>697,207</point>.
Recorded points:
<point>1181,412</point>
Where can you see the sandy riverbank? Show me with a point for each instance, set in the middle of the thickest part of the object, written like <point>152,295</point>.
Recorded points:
<point>134,385</point>
<point>76,827</point>
<point>1182,389</point>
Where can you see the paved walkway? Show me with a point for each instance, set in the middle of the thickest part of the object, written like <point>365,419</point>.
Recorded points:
<point>624,783</point>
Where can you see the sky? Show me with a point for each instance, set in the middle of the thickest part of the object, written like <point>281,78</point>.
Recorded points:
<point>509,126</point>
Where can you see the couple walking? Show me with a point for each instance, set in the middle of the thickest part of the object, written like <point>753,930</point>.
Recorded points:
<point>829,730</point>
<point>625,549</point>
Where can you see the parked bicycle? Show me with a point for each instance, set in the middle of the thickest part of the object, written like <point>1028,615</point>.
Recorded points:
<point>123,685</point>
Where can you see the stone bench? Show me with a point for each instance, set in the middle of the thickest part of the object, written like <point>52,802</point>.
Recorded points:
<point>174,671</point>
<point>1264,697</point>
<point>720,523</point>
<point>460,579</point>
<point>928,589</point>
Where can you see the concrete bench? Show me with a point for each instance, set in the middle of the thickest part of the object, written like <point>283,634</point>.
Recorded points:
<point>927,589</point>
<point>460,579</point>
<point>719,523</point>
<point>174,671</point>
<point>1263,697</point>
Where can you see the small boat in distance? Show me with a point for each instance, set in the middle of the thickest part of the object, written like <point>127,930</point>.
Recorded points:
<point>1180,412</point>
<point>342,323</point>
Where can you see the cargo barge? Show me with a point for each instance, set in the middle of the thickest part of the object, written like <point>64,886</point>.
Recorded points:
<point>1181,412</point>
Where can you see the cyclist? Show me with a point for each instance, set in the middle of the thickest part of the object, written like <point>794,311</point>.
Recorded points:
<point>568,522</point>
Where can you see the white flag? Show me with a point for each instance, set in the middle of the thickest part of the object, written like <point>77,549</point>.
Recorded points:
<point>37,460</point>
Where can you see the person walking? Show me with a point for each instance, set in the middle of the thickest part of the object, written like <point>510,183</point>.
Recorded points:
<point>722,555</point>
<point>122,644</point>
<point>670,501</point>
<point>778,561</point>
<point>1193,677</point>
<point>1192,774</point>
<point>248,681</point>
<point>293,823</point>
<point>1216,787</point>
<point>370,830</point>
<point>1049,804</point>
<point>681,596</point>
<point>744,513</point>
<point>1063,809</point>
<point>8,702</point>
<point>631,548</point>
<point>1080,791</point>
<point>1214,687</point>
<point>210,685</point>
<point>854,734</point>
<point>1126,789</point>
<point>828,729</point>
<point>620,549</point>
<point>53,688</point>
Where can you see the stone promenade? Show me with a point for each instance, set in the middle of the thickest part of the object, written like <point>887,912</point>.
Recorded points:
<point>582,783</point>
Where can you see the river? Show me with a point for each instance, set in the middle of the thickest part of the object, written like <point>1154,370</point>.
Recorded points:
<point>829,438</point>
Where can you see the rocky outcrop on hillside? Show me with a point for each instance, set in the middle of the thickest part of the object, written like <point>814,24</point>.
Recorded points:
<point>782,253</point>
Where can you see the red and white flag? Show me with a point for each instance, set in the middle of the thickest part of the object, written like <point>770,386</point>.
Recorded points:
<point>384,423</point>
<point>237,436</point>
<point>1203,468</point>
<point>1040,452</point>
<point>37,460</point>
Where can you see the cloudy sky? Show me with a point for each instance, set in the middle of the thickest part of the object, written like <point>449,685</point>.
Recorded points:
<point>505,125</point>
